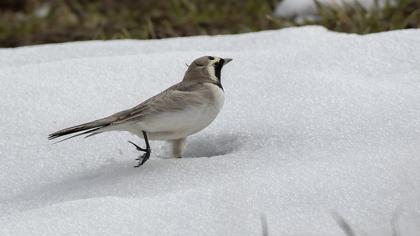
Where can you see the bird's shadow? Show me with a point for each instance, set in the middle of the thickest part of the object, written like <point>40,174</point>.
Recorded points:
<point>92,183</point>
<point>210,146</point>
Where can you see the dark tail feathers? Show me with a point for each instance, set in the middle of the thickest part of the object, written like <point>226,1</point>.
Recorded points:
<point>90,128</point>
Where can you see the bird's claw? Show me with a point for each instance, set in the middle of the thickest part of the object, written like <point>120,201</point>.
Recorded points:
<point>143,158</point>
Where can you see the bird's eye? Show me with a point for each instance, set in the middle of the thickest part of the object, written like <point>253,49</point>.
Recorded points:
<point>211,58</point>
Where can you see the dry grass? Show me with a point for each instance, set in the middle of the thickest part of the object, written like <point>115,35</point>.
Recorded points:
<point>27,22</point>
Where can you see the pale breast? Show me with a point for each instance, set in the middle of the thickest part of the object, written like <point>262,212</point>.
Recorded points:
<point>210,112</point>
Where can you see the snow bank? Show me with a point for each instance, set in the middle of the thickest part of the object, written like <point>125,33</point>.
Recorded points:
<point>309,127</point>
<point>307,8</point>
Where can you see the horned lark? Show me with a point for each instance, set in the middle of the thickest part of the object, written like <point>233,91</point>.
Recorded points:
<point>172,115</point>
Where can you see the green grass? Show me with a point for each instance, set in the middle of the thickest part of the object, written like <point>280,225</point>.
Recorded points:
<point>22,21</point>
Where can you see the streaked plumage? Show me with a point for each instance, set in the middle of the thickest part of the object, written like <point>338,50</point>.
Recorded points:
<point>174,114</point>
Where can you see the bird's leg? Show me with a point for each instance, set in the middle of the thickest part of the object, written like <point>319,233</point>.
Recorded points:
<point>137,147</point>
<point>147,151</point>
<point>178,147</point>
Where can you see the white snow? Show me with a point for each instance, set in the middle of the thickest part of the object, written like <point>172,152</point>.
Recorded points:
<point>314,122</point>
<point>307,8</point>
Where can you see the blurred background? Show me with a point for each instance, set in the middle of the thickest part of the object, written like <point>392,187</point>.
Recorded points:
<point>29,22</point>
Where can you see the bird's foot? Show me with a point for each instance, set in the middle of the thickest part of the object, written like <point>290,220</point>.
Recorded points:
<point>143,158</point>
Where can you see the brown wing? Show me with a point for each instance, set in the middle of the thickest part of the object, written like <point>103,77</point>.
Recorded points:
<point>175,98</point>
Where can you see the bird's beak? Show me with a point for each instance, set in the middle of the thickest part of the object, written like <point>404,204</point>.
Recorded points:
<point>226,61</point>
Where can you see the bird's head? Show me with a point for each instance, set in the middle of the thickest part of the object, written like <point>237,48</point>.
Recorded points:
<point>206,68</point>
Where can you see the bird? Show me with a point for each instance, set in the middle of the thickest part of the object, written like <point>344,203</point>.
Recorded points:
<point>172,115</point>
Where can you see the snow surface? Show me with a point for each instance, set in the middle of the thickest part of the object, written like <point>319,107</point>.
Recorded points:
<point>310,128</point>
<point>307,8</point>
